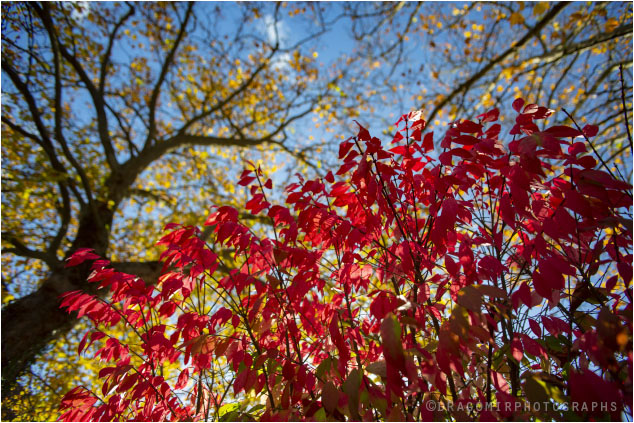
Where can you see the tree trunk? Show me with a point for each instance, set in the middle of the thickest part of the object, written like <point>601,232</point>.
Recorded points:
<point>31,322</point>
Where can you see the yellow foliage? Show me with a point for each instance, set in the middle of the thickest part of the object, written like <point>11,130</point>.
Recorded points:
<point>539,8</point>
<point>611,25</point>
<point>516,19</point>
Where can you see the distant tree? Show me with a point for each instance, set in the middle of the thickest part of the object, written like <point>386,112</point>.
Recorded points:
<point>115,116</point>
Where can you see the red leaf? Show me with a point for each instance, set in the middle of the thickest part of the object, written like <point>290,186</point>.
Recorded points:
<point>340,343</point>
<point>533,347</point>
<point>223,214</point>
<point>288,370</point>
<point>625,270</point>
<point>80,256</point>
<point>466,140</point>
<point>246,180</point>
<point>530,109</point>
<point>471,298</point>
<point>238,385</point>
<point>401,150</point>
<point>537,330</point>
<point>590,130</point>
<point>588,162</point>
<point>344,148</point>
<point>499,382</point>
<point>78,397</point>
<point>167,309</point>
<point>82,343</point>
<point>516,349</point>
<point>611,283</point>
<point>541,285</point>
<point>469,127</point>
<point>383,304</point>
<point>128,382</point>
<point>491,267</point>
<point>577,148</point>
<point>428,142</point>
<point>563,131</point>
<point>525,294</point>
<point>363,134</point>
<point>517,104</point>
<point>451,266</point>
<point>490,116</point>
<point>183,378</point>
<point>587,390</point>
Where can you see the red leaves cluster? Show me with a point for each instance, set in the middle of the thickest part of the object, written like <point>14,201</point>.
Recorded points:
<point>496,272</point>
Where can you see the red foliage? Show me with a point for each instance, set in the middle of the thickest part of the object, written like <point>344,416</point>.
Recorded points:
<point>494,275</point>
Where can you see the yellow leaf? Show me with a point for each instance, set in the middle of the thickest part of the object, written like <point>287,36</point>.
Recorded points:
<point>540,8</point>
<point>611,25</point>
<point>516,19</point>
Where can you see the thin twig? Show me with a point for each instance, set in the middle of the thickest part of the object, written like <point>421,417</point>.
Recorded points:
<point>596,153</point>
<point>627,126</point>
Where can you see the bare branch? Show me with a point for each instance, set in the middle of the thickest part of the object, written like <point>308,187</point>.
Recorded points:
<point>59,133</point>
<point>552,13</point>
<point>229,98</point>
<point>626,121</point>
<point>22,250</point>
<point>567,49</point>
<point>44,137</point>
<point>125,129</point>
<point>105,59</point>
<point>164,69</point>
<point>21,130</point>
<point>151,195</point>
<point>97,99</point>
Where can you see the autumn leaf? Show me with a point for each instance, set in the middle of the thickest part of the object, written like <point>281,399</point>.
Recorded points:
<point>516,18</point>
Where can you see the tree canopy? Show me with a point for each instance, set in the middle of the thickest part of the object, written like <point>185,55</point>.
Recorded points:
<point>118,118</point>
<point>104,110</point>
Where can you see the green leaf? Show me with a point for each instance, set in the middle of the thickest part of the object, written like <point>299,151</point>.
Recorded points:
<point>320,415</point>
<point>391,339</point>
<point>396,415</point>
<point>536,390</point>
<point>256,408</point>
<point>490,291</point>
<point>227,408</point>
<point>377,368</point>
<point>470,298</point>
<point>323,368</point>
<point>351,388</point>
<point>539,390</point>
